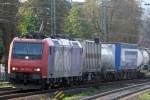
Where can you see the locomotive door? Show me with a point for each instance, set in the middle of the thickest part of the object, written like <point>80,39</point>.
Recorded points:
<point>76,59</point>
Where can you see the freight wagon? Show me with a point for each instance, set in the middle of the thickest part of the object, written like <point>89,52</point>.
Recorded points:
<point>118,60</point>
<point>145,68</point>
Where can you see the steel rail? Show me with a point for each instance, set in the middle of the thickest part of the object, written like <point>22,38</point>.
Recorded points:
<point>120,93</point>
<point>75,89</point>
<point>6,88</point>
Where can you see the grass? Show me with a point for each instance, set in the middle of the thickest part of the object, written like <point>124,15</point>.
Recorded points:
<point>81,94</point>
<point>145,96</point>
<point>89,92</point>
<point>5,84</point>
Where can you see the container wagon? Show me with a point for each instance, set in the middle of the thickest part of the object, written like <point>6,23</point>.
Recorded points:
<point>118,60</point>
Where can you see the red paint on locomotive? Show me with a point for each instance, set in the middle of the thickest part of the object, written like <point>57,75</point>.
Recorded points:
<point>30,66</point>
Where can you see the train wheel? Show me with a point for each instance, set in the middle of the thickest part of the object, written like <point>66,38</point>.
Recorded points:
<point>11,80</point>
<point>109,76</point>
<point>118,76</point>
<point>128,75</point>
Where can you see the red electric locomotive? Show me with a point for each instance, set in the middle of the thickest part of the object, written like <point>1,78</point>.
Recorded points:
<point>44,61</point>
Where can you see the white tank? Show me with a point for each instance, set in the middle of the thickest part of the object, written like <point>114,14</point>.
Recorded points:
<point>92,54</point>
<point>108,56</point>
<point>140,58</point>
<point>146,57</point>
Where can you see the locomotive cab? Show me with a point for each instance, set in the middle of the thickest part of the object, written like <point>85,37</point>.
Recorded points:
<point>26,61</point>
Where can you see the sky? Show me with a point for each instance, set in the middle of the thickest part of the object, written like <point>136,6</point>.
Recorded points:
<point>72,0</point>
<point>79,0</point>
<point>146,2</point>
<point>146,8</point>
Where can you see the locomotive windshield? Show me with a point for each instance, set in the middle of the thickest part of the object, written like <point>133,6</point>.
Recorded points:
<point>23,50</point>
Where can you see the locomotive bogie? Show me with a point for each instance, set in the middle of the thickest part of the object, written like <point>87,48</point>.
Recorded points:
<point>25,78</point>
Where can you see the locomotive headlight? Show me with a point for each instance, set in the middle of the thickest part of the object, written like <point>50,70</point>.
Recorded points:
<point>13,68</point>
<point>37,69</point>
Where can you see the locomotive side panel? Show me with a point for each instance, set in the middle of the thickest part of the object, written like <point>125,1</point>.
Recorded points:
<point>58,67</point>
<point>66,59</point>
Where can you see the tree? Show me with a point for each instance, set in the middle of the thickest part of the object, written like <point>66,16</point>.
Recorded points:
<point>76,25</point>
<point>1,47</point>
<point>93,15</point>
<point>73,25</point>
<point>45,14</point>
<point>144,36</point>
<point>8,21</point>
<point>124,17</point>
<point>28,21</point>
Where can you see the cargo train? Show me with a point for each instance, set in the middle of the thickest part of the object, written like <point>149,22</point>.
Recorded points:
<point>62,61</point>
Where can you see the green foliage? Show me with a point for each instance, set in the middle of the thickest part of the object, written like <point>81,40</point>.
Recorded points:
<point>81,94</point>
<point>44,12</point>
<point>29,22</point>
<point>145,96</point>
<point>93,16</point>
<point>86,30</point>
<point>1,49</point>
<point>75,24</point>
<point>1,34</point>
<point>1,45</point>
<point>5,84</point>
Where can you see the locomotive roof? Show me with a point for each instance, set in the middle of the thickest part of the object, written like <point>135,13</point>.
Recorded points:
<point>26,40</point>
<point>66,41</point>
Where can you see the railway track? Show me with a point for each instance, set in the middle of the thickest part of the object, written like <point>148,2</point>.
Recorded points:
<point>18,93</point>
<point>10,93</point>
<point>6,88</point>
<point>120,93</point>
